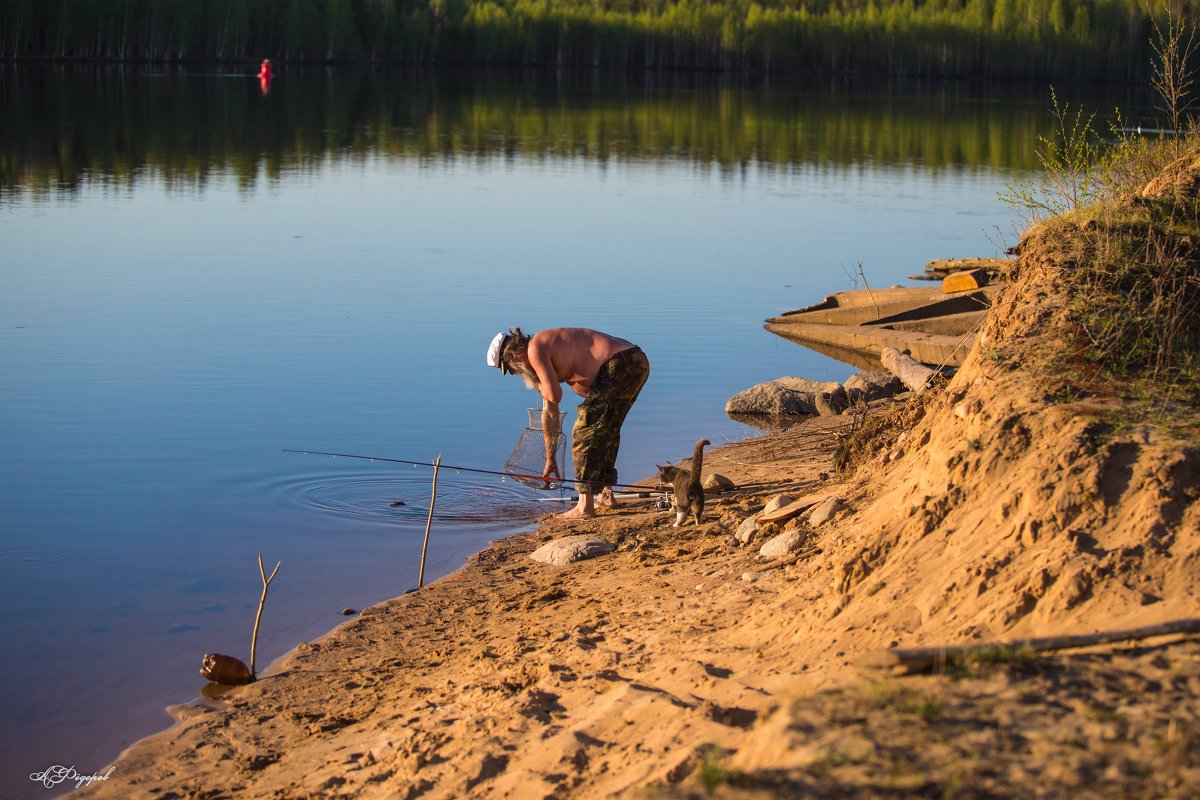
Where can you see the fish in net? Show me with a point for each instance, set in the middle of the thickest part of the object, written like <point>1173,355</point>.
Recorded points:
<point>528,458</point>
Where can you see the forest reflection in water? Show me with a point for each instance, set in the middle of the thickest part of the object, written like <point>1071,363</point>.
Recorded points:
<point>66,125</point>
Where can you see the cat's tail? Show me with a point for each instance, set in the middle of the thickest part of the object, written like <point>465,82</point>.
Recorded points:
<point>698,462</point>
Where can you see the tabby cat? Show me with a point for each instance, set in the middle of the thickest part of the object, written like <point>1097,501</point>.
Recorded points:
<point>689,494</point>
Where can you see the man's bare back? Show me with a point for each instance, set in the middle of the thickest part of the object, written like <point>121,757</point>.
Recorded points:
<point>572,356</point>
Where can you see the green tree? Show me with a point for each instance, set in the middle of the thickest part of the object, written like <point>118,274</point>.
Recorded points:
<point>1003,16</point>
<point>1058,16</point>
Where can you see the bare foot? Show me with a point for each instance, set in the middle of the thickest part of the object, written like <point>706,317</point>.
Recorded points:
<point>576,513</point>
<point>606,499</point>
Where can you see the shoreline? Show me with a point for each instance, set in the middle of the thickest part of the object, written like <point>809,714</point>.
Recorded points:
<point>148,762</point>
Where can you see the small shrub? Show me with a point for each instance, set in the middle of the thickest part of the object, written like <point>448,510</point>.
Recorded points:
<point>711,772</point>
<point>981,658</point>
<point>878,431</point>
<point>1070,176</point>
<point>927,708</point>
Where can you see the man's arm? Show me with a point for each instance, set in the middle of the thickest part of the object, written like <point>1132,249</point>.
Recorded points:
<point>543,366</point>
<point>551,430</point>
<point>551,393</point>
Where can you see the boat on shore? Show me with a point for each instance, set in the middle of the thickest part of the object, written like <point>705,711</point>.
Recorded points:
<point>936,325</point>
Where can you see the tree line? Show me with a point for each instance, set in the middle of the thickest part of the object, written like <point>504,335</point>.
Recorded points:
<point>1058,39</point>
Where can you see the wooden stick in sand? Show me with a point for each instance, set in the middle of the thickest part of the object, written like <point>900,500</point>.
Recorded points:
<point>437,463</point>
<point>909,661</point>
<point>262,601</point>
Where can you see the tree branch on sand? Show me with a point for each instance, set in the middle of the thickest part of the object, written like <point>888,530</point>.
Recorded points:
<point>262,601</point>
<point>900,661</point>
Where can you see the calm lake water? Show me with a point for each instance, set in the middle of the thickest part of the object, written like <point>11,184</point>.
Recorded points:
<point>195,276</point>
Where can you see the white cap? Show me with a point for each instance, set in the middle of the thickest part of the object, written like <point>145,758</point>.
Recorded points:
<point>493,351</point>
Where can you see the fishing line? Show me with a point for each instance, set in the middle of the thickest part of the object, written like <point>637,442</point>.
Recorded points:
<point>562,482</point>
<point>540,479</point>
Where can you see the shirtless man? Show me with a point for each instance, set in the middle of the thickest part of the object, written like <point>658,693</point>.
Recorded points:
<point>607,372</point>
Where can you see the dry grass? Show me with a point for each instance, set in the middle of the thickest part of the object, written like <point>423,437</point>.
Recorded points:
<point>878,430</point>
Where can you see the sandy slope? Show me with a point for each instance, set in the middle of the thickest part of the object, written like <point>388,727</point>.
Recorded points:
<point>999,513</point>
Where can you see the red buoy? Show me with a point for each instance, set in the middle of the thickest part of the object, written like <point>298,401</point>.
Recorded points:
<point>264,76</point>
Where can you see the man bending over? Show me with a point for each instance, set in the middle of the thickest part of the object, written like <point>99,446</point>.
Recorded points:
<point>607,372</point>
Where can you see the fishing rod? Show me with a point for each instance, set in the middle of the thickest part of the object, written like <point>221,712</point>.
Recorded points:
<point>540,478</point>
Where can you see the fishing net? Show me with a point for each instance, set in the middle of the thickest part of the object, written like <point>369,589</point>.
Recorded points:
<point>528,459</point>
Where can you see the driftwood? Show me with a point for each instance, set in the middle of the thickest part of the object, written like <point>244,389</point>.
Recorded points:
<point>787,560</point>
<point>941,267</point>
<point>262,601</point>
<point>925,659</point>
<point>912,374</point>
<point>437,463</point>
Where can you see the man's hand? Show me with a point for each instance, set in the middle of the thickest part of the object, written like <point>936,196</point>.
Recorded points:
<point>551,432</point>
<point>551,471</point>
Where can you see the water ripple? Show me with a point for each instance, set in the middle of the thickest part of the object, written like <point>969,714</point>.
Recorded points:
<point>402,497</point>
<point>32,559</point>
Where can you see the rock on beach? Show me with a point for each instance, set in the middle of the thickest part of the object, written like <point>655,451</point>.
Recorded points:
<point>802,397</point>
<point>784,544</point>
<point>569,549</point>
<point>716,482</point>
<point>747,530</point>
<point>824,511</point>
<point>870,386</point>
<point>783,396</point>
<point>777,502</point>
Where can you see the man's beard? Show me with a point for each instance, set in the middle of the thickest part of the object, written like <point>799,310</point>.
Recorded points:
<point>526,374</point>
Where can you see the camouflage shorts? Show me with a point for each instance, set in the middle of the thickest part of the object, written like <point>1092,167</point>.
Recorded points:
<point>596,436</point>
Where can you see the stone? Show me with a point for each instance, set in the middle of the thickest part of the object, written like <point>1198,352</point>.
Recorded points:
<point>790,509</point>
<point>807,386</point>
<point>831,404</point>
<point>777,502</point>
<point>870,386</point>
<point>746,531</point>
<point>569,549</point>
<point>784,544</point>
<point>752,577</point>
<point>771,399</point>
<point>781,397</point>
<point>348,612</point>
<point>716,482</point>
<point>967,408</point>
<point>825,511</point>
